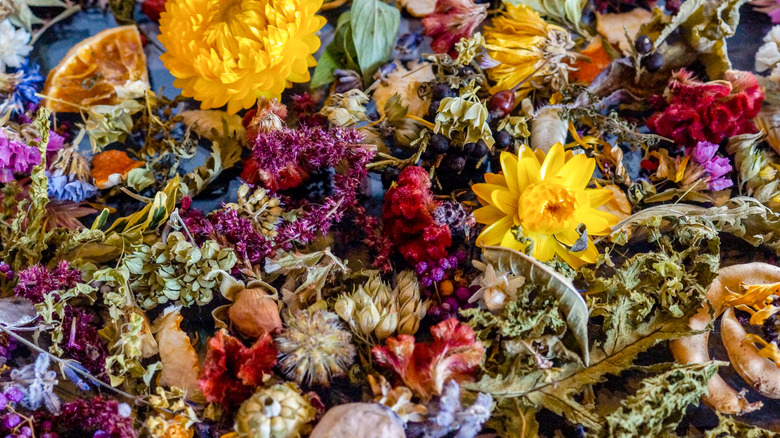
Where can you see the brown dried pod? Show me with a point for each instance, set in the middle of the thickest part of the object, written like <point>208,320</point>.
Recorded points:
<point>693,349</point>
<point>254,311</point>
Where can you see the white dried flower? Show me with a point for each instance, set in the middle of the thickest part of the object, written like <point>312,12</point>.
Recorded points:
<point>14,45</point>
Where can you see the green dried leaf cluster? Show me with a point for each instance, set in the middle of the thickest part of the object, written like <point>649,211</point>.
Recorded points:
<point>752,163</point>
<point>129,344</point>
<point>464,119</point>
<point>659,405</point>
<point>52,311</point>
<point>729,427</point>
<point>177,271</point>
<point>675,275</point>
<point>108,124</point>
<point>565,12</point>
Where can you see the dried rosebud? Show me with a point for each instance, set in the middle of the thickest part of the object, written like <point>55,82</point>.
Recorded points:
<point>255,312</point>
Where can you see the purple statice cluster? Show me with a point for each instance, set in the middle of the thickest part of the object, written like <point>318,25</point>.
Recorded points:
<point>95,418</point>
<point>716,167</point>
<point>16,157</point>
<point>241,235</point>
<point>7,347</point>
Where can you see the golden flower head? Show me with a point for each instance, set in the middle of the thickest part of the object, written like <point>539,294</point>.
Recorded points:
<point>540,205</point>
<point>234,51</point>
<point>527,49</point>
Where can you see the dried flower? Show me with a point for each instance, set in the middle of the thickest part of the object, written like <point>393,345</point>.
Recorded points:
<point>464,119</point>
<point>231,371</point>
<point>109,168</point>
<point>268,116</point>
<point>96,417</point>
<point>16,157</point>
<point>254,311</point>
<point>451,21</point>
<point>447,415</point>
<point>519,215</point>
<point>696,111</point>
<point>495,290</point>
<point>314,349</point>
<point>398,398</point>
<point>277,43</point>
<point>14,45</point>
<point>527,49</point>
<point>19,88</point>
<point>425,368</point>
<point>276,412</point>
<point>405,82</point>
<point>37,281</point>
<point>407,215</point>
<point>177,270</point>
<point>37,383</point>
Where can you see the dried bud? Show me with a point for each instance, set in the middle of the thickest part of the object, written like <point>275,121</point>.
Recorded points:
<point>368,319</point>
<point>388,323</point>
<point>345,307</point>
<point>255,312</point>
<point>347,80</point>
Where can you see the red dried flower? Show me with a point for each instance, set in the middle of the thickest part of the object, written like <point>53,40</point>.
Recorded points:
<point>711,111</point>
<point>452,20</point>
<point>408,218</point>
<point>153,9</point>
<point>231,371</point>
<point>424,368</point>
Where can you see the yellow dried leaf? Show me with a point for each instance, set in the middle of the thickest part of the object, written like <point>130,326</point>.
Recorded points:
<point>180,366</point>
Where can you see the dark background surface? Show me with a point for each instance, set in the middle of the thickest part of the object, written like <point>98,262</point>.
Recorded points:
<point>742,48</point>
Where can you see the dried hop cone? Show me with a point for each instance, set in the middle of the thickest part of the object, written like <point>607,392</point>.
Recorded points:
<point>376,309</point>
<point>276,412</point>
<point>412,307</point>
<point>261,208</point>
<point>313,348</point>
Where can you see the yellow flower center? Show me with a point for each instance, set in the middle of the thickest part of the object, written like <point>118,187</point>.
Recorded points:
<point>546,208</point>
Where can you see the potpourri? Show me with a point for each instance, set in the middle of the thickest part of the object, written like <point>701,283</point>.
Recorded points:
<point>435,218</point>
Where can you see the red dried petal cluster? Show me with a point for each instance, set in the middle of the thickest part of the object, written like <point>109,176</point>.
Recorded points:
<point>452,20</point>
<point>232,372</point>
<point>424,368</point>
<point>408,218</point>
<point>711,111</point>
<point>153,9</point>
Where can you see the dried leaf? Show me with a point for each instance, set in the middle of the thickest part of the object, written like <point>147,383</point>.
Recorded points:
<point>570,302</point>
<point>179,360</point>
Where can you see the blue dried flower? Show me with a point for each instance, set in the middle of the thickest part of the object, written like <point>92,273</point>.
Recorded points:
<point>37,383</point>
<point>68,188</point>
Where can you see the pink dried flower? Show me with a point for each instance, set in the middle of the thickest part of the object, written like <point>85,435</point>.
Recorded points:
<point>424,368</point>
<point>452,20</point>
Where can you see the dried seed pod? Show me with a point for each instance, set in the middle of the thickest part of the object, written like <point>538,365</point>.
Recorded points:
<point>693,349</point>
<point>254,312</point>
<point>366,420</point>
<point>761,373</point>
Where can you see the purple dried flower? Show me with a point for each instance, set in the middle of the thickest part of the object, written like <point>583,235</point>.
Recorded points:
<point>37,281</point>
<point>86,417</point>
<point>704,151</point>
<point>10,421</point>
<point>15,395</point>
<point>717,167</point>
<point>16,157</point>
<point>720,184</point>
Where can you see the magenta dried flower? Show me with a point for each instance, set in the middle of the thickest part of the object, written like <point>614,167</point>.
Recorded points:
<point>37,281</point>
<point>88,417</point>
<point>16,157</point>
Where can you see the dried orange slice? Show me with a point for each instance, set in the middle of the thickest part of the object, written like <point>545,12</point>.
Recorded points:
<point>92,68</point>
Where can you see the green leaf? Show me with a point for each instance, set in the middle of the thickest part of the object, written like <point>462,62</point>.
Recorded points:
<point>374,26</point>
<point>659,405</point>
<point>570,302</point>
<point>326,65</point>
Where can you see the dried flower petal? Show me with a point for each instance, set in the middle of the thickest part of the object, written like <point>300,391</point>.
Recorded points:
<point>424,368</point>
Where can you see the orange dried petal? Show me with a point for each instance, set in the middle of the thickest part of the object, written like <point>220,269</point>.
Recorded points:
<point>110,163</point>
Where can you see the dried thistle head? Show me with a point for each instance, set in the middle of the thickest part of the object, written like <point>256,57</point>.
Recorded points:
<point>314,348</point>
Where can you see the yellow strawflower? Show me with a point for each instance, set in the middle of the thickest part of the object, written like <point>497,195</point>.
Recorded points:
<point>527,48</point>
<point>234,51</point>
<point>543,200</point>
